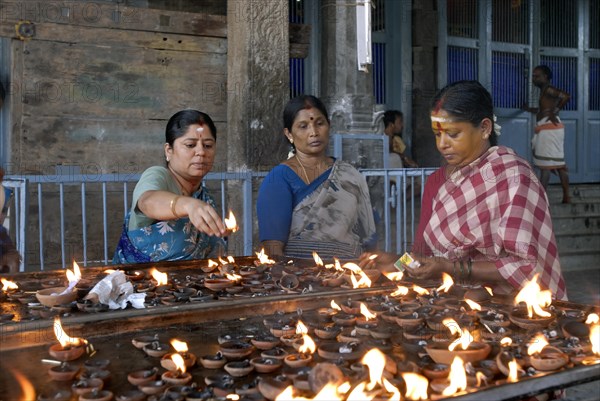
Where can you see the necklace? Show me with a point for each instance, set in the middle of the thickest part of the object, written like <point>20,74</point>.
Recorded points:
<point>303,169</point>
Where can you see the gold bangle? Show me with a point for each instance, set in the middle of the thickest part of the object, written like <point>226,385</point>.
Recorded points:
<point>173,204</point>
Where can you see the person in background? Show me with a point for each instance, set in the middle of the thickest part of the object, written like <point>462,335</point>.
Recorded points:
<point>549,136</point>
<point>484,216</point>
<point>9,256</point>
<point>313,202</point>
<point>393,121</point>
<point>172,216</point>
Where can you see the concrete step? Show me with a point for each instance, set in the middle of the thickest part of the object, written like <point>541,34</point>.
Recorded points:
<point>577,191</point>
<point>576,224</point>
<point>576,261</point>
<point>578,242</point>
<point>577,208</point>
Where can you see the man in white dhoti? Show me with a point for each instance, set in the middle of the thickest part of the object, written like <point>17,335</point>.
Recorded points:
<point>548,139</point>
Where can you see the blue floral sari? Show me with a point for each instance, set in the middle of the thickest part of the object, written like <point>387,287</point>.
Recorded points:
<point>168,240</point>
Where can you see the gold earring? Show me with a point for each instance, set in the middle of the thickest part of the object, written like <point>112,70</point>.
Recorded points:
<point>168,159</point>
<point>291,140</point>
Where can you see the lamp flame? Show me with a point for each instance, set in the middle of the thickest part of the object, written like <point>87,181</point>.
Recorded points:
<point>179,362</point>
<point>233,277</point>
<point>353,267</point>
<point>231,223</point>
<point>595,338</point>
<point>328,393</point>
<point>263,258</point>
<point>506,342</point>
<point>535,298</point>
<point>472,304</point>
<point>400,292</point>
<point>481,379</point>
<point>375,360</point>
<point>592,319</point>
<point>179,346</point>
<point>27,388</point>
<point>232,397</point>
<point>420,290</point>
<point>394,276</point>
<point>447,283</point>
<point>111,271</point>
<point>464,340</point>
<point>63,338</point>
<point>230,259</point>
<point>489,290</point>
<point>161,278</point>
<point>513,371</point>
<point>458,377</point>
<point>390,388</point>
<point>416,386</point>
<point>317,258</point>
<point>337,265</point>
<point>308,346</point>
<point>359,394</point>
<point>212,263</point>
<point>301,328</point>
<point>537,344</point>
<point>335,306</point>
<point>8,285</point>
<point>366,312</point>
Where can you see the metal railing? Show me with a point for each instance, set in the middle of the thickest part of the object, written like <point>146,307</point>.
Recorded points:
<point>46,208</point>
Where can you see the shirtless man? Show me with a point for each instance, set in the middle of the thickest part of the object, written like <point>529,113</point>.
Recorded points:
<point>548,140</point>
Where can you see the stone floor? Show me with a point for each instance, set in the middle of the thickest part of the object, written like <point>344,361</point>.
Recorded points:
<point>584,287</point>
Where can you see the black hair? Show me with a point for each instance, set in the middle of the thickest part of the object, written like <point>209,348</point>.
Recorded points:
<point>467,101</point>
<point>180,122</point>
<point>293,107</point>
<point>389,117</point>
<point>546,70</point>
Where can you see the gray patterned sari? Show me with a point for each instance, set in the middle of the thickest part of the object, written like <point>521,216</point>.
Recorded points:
<point>336,219</point>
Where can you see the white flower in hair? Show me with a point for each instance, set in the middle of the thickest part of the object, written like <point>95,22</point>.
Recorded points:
<point>497,127</point>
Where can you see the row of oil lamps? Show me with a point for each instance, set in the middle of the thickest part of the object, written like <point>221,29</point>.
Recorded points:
<point>353,331</point>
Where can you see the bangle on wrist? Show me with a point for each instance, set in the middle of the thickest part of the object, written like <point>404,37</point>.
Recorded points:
<point>173,204</point>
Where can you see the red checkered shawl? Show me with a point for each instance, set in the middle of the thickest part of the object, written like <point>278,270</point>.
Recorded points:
<point>494,209</point>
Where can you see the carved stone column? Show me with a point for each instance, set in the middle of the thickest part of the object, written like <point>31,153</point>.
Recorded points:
<point>257,90</point>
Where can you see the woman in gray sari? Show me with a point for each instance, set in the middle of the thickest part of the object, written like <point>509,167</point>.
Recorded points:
<point>313,202</point>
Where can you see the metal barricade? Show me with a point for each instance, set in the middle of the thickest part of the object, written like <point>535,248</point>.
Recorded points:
<point>56,201</point>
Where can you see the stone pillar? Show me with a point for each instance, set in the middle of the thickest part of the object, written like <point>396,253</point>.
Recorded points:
<point>347,92</point>
<point>257,90</point>
<point>425,31</point>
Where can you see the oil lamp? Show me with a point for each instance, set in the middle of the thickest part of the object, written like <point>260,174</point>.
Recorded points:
<point>456,381</point>
<point>534,316</point>
<point>416,386</point>
<point>179,376</point>
<point>181,348</point>
<point>162,280</point>
<point>544,357</point>
<point>368,322</point>
<point>304,355</point>
<point>595,341</point>
<point>69,348</point>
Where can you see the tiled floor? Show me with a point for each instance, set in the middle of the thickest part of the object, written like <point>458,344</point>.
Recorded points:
<point>584,287</point>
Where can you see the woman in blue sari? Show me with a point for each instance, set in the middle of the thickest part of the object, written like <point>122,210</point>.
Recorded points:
<point>313,202</point>
<point>172,216</point>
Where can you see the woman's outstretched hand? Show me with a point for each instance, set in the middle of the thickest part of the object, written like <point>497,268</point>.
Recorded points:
<point>384,261</point>
<point>205,218</point>
<point>430,267</point>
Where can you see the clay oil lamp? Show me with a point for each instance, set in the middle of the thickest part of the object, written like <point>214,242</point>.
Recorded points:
<point>265,341</point>
<point>184,294</point>
<point>470,351</point>
<point>227,266</point>
<point>178,376</point>
<point>236,350</point>
<point>345,319</point>
<point>275,353</point>
<point>340,351</point>
<point>400,292</point>
<point>263,262</point>
<point>131,395</point>
<point>59,395</point>
<point>161,279</point>
<point>348,335</point>
<point>101,374</point>
<point>366,322</point>
<point>61,295</point>
<point>153,387</point>
<point>143,376</point>
<point>544,357</point>
<point>239,368</point>
<point>327,331</point>
<point>266,365</point>
<point>81,387</point>
<point>135,275</point>
<point>479,294</point>
<point>141,341</point>
<point>156,349</point>
<point>304,355</point>
<point>69,348</point>
<point>216,361</point>
<point>364,280</point>
<point>271,387</point>
<point>181,348</point>
<point>494,333</point>
<point>409,320</point>
<point>217,283</point>
<point>289,283</point>
<point>287,332</point>
<point>377,386</point>
<point>534,316</point>
<point>63,372</point>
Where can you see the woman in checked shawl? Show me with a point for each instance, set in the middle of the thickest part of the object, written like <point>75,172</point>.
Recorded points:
<point>485,216</point>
